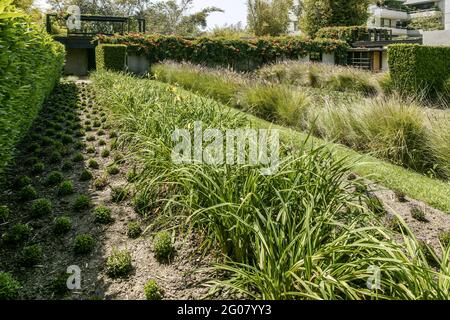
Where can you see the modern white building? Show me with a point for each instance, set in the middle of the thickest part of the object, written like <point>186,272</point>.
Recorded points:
<point>397,18</point>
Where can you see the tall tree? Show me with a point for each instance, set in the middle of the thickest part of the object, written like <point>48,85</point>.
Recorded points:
<point>324,13</point>
<point>268,17</point>
<point>174,17</point>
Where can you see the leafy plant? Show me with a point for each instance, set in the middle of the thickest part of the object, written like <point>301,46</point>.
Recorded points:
<point>62,225</point>
<point>118,263</point>
<point>66,188</point>
<point>31,255</point>
<point>9,287</point>
<point>81,203</point>
<point>163,247</point>
<point>102,215</point>
<point>153,291</point>
<point>134,230</point>
<point>41,207</point>
<point>83,244</point>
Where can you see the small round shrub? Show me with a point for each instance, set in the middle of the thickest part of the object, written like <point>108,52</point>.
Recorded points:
<point>67,166</point>
<point>102,142</point>
<point>78,157</point>
<point>96,124</point>
<point>103,214</point>
<point>41,207</point>
<point>152,291</point>
<point>101,182</point>
<point>101,132</point>
<point>141,204</point>
<point>81,203</point>
<point>92,163</point>
<point>79,145</point>
<point>444,237</point>
<point>65,188</point>
<point>163,247</point>
<point>28,193</point>
<point>401,196</point>
<point>118,263</point>
<point>113,169</point>
<point>4,213</point>
<point>22,181</point>
<point>118,194</point>
<point>90,138</point>
<point>83,244</point>
<point>134,230</point>
<point>54,178</point>
<point>105,153</point>
<point>113,134</point>
<point>62,225</point>
<point>31,255</point>
<point>90,150</point>
<point>59,284</point>
<point>67,139</point>
<point>38,168</point>
<point>418,214</point>
<point>9,287</point>
<point>55,157</point>
<point>119,158</point>
<point>17,234</point>
<point>86,175</point>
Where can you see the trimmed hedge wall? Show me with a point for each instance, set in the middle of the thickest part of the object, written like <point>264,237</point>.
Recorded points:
<point>111,57</point>
<point>347,34</point>
<point>419,69</point>
<point>30,66</point>
<point>241,54</point>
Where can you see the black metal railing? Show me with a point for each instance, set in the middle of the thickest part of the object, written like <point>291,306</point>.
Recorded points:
<point>93,25</point>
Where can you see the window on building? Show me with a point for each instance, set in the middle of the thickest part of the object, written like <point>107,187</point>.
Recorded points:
<point>386,22</point>
<point>315,56</point>
<point>360,59</point>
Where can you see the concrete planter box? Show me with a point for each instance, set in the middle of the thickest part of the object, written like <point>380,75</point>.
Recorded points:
<point>138,65</point>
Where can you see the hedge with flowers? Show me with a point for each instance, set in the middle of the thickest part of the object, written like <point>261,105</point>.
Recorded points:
<point>241,54</point>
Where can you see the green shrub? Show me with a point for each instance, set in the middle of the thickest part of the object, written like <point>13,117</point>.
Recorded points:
<point>163,247</point>
<point>54,178</point>
<point>38,168</point>
<point>59,283</point>
<point>111,57</point>
<point>90,150</point>
<point>83,244</point>
<point>4,213</point>
<point>30,59</point>
<point>417,69</point>
<point>41,207</point>
<point>105,153</point>
<point>66,188</point>
<point>113,169</point>
<point>439,146</point>
<point>86,175</point>
<point>418,214</point>
<point>103,214</point>
<point>152,291</point>
<point>31,255</point>
<point>78,157</point>
<point>134,230</point>
<point>118,263</point>
<point>62,225</point>
<point>81,203</point>
<point>444,238</point>
<point>28,193</point>
<point>347,34</point>
<point>22,181</point>
<point>240,54</point>
<point>92,163</point>
<point>101,182</point>
<point>118,194</point>
<point>17,234</point>
<point>9,287</point>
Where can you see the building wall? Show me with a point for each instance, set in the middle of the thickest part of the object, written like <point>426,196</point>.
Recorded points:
<point>446,11</point>
<point>76,62</point>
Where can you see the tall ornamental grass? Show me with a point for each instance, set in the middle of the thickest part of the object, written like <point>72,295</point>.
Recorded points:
<point>305,232</point>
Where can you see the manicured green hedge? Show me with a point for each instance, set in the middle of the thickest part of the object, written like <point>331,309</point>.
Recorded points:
<point>111,57</point>
<point>417,69</point>
<point>241,54</point>
<point>30,65</point>
<point>347,34</point>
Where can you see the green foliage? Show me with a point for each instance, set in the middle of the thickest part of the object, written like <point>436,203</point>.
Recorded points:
<point>66,188</point>
<point>347,34</point>
<point>111,57</point>
<point>118,263</point>
<point>101,182</point>
<point>113,169</point>
<point>31,255</point>
<point>4,213</point>
<point>83,244</point>
<point>163,247</point>
<point>102,215</point>
<point>105,153</point>
<point>134,230</point>
<point>444,238</point>
<point>86,175</point>
<point>59,283</point>
<point>81,203</point>
<point>418,214</point>
<point>427,23</point>
<point>41,207</point>
<point>17,234</point>
<point>38,168</point>
<point>31,63</point>
<point>268,18</point>
<point>54,178</point>
<point>92,163</point>
<point>118,194</point>
<point>153,291</point>
<point>22,181</point>
<point>239,54</point>
<point>9,287</point>
<point>78,157</point>
<point>62,225</point>
<point>417,69</point>
<point>28,193</point>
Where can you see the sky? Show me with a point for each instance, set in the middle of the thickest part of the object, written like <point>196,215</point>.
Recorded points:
<point>235,11</point>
